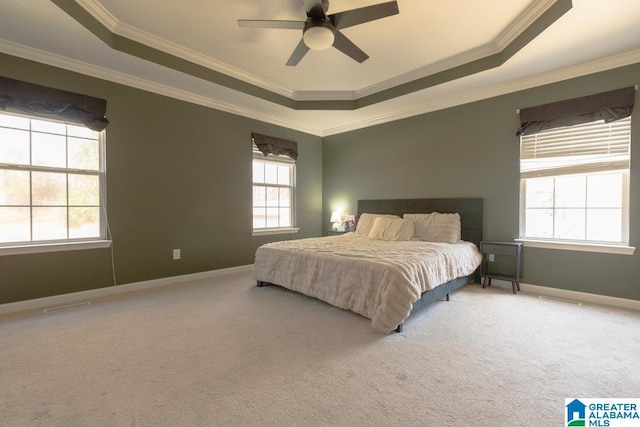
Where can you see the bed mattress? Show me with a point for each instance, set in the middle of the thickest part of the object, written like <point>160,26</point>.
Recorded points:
<point>378,279</point>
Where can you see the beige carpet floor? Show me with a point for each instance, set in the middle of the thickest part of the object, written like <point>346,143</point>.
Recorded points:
<point>224,352</point>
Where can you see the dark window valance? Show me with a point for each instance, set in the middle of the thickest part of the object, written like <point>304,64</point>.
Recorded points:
<point>607,106</point>
<point>277,146</point>
<point>52,104</point>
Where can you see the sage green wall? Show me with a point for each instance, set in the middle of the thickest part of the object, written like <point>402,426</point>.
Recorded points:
<point>472,151</point>
<point>178,176</point>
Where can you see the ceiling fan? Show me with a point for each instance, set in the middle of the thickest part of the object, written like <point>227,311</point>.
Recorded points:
<point>321,31</point>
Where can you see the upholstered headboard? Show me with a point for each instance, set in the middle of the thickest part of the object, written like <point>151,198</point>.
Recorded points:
<point>470,210</point>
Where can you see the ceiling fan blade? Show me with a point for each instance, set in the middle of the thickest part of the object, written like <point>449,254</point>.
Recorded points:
<point>349,18</point>
<point>266,23</point>
<point>297,54</point>
<point>346,46</point>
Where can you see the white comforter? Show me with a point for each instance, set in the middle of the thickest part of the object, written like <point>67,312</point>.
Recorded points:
<point>378,279</point>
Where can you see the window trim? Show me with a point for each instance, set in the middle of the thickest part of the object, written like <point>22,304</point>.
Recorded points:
<point>578,246</point>
<point>57,245</point>
<point>274,231</point>
<point>282,160</point>
<point>585,169</point>
<point>54,247</point>
<point>568,244</point>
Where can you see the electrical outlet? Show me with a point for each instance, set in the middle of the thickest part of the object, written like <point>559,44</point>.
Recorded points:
<point>176,254</point>
<point>490,257</point>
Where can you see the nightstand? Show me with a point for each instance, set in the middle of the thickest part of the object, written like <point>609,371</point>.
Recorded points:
<point>335,233</point>
<point>502,249</point>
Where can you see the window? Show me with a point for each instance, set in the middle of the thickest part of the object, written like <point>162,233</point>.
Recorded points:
<point>273,192</point>
<point>51,182</point>
<point>574,183</point>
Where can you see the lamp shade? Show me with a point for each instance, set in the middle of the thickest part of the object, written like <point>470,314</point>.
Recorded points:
<point>336,217</point>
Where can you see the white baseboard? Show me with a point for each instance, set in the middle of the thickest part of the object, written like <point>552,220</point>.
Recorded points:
<point>574,296</point>
<point>75,297</point>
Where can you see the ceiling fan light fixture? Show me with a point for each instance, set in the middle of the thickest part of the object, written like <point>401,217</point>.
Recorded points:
<point>318,37</point>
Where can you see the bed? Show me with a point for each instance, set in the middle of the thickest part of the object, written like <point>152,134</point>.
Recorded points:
<point>381,278</point>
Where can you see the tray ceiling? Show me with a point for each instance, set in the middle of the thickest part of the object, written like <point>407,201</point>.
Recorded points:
<point>431,55</point>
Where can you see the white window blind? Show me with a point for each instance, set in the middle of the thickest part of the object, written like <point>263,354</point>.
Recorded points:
<point>585,148</point>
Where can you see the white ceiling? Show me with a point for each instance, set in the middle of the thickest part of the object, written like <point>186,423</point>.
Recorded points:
<point>426,37</point>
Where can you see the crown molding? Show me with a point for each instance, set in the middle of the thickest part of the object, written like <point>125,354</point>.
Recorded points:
<point>444,65</point>
<point>524,21</point>
<point>70,64</point>
<point>200,59</point>
<point>513,30</point>
<point>99,12</point>
<point>599,65</point>
<point>168,57</point>
<point>603,64</point>
<point>429,70</point>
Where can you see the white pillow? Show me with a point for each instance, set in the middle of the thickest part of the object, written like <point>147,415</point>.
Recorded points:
<point>436,227</point>
<point>393,229</point>
<point>365,222</point>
